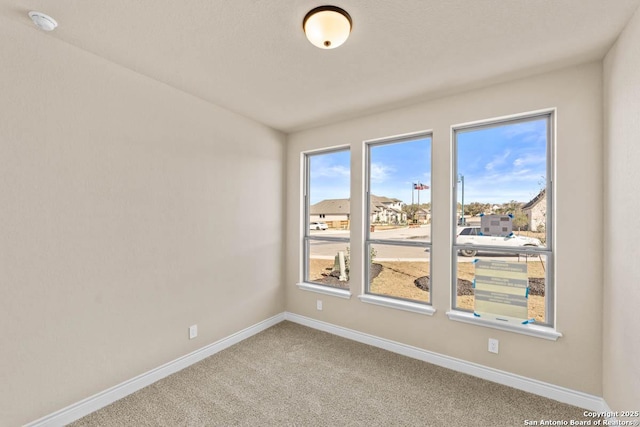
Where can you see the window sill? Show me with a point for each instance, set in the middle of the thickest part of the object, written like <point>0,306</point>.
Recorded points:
<point>529,329</point>
<point>327,290</point>
<point>398,304</point>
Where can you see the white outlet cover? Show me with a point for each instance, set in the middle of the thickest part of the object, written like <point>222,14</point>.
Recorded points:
<point>193,331</point>
<point>494,345</point>
<point>319,304</point>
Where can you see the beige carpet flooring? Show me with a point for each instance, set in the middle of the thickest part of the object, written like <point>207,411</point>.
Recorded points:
<point>291,375</point>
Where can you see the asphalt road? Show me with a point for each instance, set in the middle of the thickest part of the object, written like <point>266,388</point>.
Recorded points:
<point>328,250</point>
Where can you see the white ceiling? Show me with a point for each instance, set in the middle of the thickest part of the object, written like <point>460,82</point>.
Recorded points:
<point>252,57</point>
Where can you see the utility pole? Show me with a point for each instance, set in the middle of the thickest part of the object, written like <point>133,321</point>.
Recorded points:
<point>461,180</point>
<point>413,206</point>
<point>413,189</point>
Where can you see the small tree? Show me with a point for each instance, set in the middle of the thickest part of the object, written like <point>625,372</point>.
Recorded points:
<point>410,210</point>
<point>476,208</point>
<point>347,258</point>
<point>542,228</point>
<point>520,220</point>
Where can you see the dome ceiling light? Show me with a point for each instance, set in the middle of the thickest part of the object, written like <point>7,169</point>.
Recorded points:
<point>42,21</point>
<point>327,27</point>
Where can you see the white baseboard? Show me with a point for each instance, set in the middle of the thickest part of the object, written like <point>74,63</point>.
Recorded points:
<point>106,397</point>
<point>561,394</point>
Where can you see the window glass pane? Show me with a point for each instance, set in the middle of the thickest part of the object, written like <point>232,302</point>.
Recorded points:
<point>329,263</point>
<point>400,190</point>
<point>502,178</point>
<point>399,272</point>
<point>536,274</point>
<point>328,218</point>
<point>329,186</point>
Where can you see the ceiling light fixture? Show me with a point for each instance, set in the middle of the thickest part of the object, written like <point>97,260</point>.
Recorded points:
<point>42,21</point>
<point>327,27</point>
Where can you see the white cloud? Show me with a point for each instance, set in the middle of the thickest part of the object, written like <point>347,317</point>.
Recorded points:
<point>534,131</point>
<point>529,159</point>
<point>334,171</point>
<point>498,161</point>
<point>500,188</point>
<point>380,172</point>
<point>524,128</point>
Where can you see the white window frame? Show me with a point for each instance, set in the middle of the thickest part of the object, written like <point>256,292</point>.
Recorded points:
<point>386,300</point>
<point>306,236</point>
<point>542,330</point>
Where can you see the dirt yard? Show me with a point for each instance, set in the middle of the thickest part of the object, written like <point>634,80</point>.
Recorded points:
<point>400,279</point>
<point>319,272</point>
<point>397,279</point>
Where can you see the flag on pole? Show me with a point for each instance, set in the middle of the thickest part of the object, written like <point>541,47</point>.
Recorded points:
<point>420,186</point>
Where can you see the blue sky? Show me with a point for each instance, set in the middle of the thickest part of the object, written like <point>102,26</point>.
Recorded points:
<point>396,167</point>
<point>499,164</point>
<point>503,163</point>
<point>330,176</point>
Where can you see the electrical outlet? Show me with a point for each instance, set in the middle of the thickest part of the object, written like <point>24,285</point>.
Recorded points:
<point>494,345</point>
<point>193,331</point>
<point>319,304</point>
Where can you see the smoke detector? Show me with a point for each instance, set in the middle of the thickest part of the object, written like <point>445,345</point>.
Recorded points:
<point>42,21</point>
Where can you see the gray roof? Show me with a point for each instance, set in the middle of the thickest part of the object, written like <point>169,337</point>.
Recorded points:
<point>535,200</point>
<point>383,199</point>
<point>331,207</point>
<point>380,202</point>
<point>343,206</point>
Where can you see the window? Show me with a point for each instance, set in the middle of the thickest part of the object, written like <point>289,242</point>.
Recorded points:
<point>502,248</point>
<point>398,218</point>
<point>326,218</point>
<point>469,231</point>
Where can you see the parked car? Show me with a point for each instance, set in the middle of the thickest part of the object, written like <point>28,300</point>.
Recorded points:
<point>318,226</point>
<point>473,236</point>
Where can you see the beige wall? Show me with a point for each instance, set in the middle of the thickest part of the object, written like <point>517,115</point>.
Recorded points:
<point>621,345</point>
<point>127,215</point>
<point>574,361</point>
